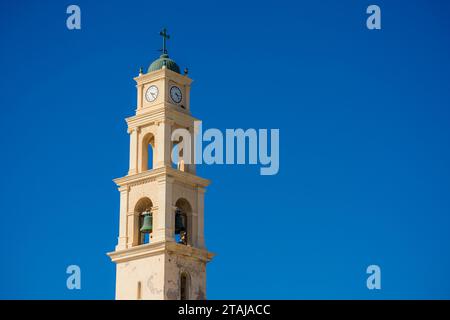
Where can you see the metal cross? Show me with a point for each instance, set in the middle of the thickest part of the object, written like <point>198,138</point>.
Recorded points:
<point>165,36</point>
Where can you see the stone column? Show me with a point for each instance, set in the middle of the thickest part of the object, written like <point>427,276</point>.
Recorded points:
<point>165,222</point>
<point>122,240</point>
<point>191,166</point>
<point>133,151</point>
<point>140,89</point>
<point>164,143</point>
<point>200,217</point>
<point>132,236</point>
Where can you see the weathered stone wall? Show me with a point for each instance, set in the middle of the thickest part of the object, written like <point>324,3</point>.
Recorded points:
<point>148,271</point>
<point>196,270</point>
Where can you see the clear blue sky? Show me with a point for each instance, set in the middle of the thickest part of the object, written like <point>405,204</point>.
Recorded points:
<point>364,128</point>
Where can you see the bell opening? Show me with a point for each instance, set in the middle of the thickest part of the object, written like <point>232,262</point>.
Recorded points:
<point>143,223</point>
<point>180,227</point>
<point>146,227</point>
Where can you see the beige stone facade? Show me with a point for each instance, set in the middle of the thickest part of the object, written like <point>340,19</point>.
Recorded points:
<point>163,268</point>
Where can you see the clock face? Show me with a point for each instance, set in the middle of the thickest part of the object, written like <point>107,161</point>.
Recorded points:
<point>175,94</point>
<point>151,94</point>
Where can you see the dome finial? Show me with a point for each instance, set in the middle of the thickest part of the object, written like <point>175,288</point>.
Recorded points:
<point>164,62</point>
<point>163,33</point>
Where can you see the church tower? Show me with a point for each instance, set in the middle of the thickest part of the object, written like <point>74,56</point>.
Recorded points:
<point>161,251</point>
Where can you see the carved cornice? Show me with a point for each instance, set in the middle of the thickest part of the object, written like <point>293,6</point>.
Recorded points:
<point>146,118</point>
<point>165,173</point>
<point>161,114</point>
<point>162,74</point>
<point>163,247</point>
<point>144,181</point>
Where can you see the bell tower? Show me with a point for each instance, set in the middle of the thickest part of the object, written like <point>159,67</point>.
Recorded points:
<point>161,251</point>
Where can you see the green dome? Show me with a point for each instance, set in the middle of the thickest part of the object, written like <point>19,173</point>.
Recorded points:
<point>164,60</point>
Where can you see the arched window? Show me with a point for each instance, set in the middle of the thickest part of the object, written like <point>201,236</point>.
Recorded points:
<point>148,152</point>
<point>184,286</point>
<point>144,217</point>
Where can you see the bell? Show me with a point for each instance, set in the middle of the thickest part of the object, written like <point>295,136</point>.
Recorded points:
<point>179,222</point>
<point>147,226</point>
